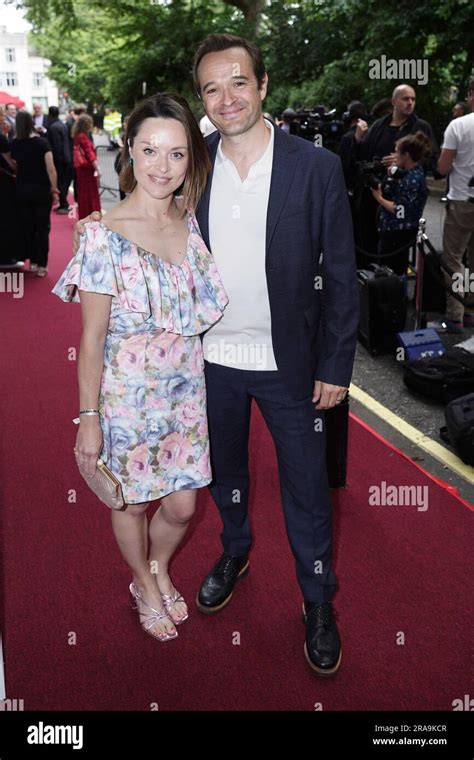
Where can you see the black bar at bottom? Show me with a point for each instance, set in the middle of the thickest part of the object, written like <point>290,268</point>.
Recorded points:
<point>366,734</point>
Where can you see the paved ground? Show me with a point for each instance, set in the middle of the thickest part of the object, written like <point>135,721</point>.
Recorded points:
<point>109,178</point>
<point>381,377</point>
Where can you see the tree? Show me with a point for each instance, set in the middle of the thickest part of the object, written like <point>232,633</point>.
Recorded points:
<point>316,51</point>
<point>252,11</point>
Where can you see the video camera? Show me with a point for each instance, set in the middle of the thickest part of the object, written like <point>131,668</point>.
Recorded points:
<point>371,173</point>
<point>320,126</point>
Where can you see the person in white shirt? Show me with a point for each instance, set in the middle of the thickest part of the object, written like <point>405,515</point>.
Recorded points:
<point>40,120</point>
<point>457,160</point>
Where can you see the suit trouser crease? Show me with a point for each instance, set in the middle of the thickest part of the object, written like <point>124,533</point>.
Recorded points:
<point>301,456</point>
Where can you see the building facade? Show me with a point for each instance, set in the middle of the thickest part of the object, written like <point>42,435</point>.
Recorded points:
<point>24,74</point>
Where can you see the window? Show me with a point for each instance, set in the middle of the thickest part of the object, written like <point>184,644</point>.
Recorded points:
<point>37,79</point>
<point>10,55</point>
<point>8,79</point>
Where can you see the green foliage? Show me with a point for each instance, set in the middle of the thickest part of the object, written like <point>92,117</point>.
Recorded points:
<point>103,51</point>
<point>316,51</point>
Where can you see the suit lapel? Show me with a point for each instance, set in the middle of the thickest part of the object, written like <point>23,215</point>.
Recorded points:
<point>285,158</point>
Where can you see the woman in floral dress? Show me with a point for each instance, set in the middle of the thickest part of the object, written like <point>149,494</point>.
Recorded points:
<point>148,287</point>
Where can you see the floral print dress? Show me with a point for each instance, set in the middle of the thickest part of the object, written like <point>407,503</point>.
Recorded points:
<point>152,401</point>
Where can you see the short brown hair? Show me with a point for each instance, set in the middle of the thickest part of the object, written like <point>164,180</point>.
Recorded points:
<point>470,87</point>
<point>169,106</point>
<point>215,43</point>
<point>83,123</point>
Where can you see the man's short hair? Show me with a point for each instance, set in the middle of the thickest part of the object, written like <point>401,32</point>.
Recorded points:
<point>79,109</point>
<point>216,43</point>
<point>53,112</point>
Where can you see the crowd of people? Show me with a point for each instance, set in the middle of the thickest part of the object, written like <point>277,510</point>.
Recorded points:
<point>386,155</point>
<point>385,167</point>
<point>40,156</point>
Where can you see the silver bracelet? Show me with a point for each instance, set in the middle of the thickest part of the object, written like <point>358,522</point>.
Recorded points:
<point>89,412</point>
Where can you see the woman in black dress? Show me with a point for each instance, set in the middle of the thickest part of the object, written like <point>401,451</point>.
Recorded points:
<point>36,184</point>
<point>12,249</point>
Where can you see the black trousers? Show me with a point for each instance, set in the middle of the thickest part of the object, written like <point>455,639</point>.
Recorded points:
<point>34,206</point>
<point>65,173</point>
<point>364,214</point>
<point>394,240</point>
<point>299,435</point>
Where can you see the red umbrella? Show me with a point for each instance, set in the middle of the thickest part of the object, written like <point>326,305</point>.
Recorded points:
<point>6,98</point>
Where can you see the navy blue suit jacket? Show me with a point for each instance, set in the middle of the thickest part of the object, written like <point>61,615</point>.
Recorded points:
<point>314,329</point>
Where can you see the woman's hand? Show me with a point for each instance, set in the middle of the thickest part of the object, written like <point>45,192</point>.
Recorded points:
<point>88,444</point>
<point>389,160</point>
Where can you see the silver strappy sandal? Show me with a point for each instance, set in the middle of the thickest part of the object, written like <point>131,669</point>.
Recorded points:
<point>153,617</point>
<point>169,600</point>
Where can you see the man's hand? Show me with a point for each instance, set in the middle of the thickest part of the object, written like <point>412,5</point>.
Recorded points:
<point>327,395</point>
<point>361,129</point>
<point>79,228</point>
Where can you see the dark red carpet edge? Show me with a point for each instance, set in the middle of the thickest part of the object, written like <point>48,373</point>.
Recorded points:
<point>72,642</point>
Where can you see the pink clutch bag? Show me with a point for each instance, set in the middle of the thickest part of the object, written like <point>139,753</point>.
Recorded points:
<point>105,485</point>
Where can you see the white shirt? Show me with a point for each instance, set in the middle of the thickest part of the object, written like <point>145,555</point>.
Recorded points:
<point>206,126</point>
<point>237,233</point>
<point>459,136</point>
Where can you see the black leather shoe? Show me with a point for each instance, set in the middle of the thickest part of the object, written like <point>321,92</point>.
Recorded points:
<point>322,647</point>
<point>218,587</point>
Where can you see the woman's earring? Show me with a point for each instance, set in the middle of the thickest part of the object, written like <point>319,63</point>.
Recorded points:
<point>130,161</point>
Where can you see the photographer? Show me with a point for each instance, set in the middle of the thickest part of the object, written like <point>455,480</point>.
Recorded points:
<point>377,144</point>
<point>457,160</point>
<point>290,122</point>
<point>402,197</point>
<point>356,110</point>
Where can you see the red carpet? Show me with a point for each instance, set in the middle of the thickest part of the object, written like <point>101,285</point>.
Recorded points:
<point>73,643</point>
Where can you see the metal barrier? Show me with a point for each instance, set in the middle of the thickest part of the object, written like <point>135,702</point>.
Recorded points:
<point>108,176</point>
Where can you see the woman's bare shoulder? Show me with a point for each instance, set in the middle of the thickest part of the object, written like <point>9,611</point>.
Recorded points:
<point>119,212</point>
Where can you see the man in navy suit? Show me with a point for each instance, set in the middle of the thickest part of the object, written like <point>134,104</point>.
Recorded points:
<point>276,217</point>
